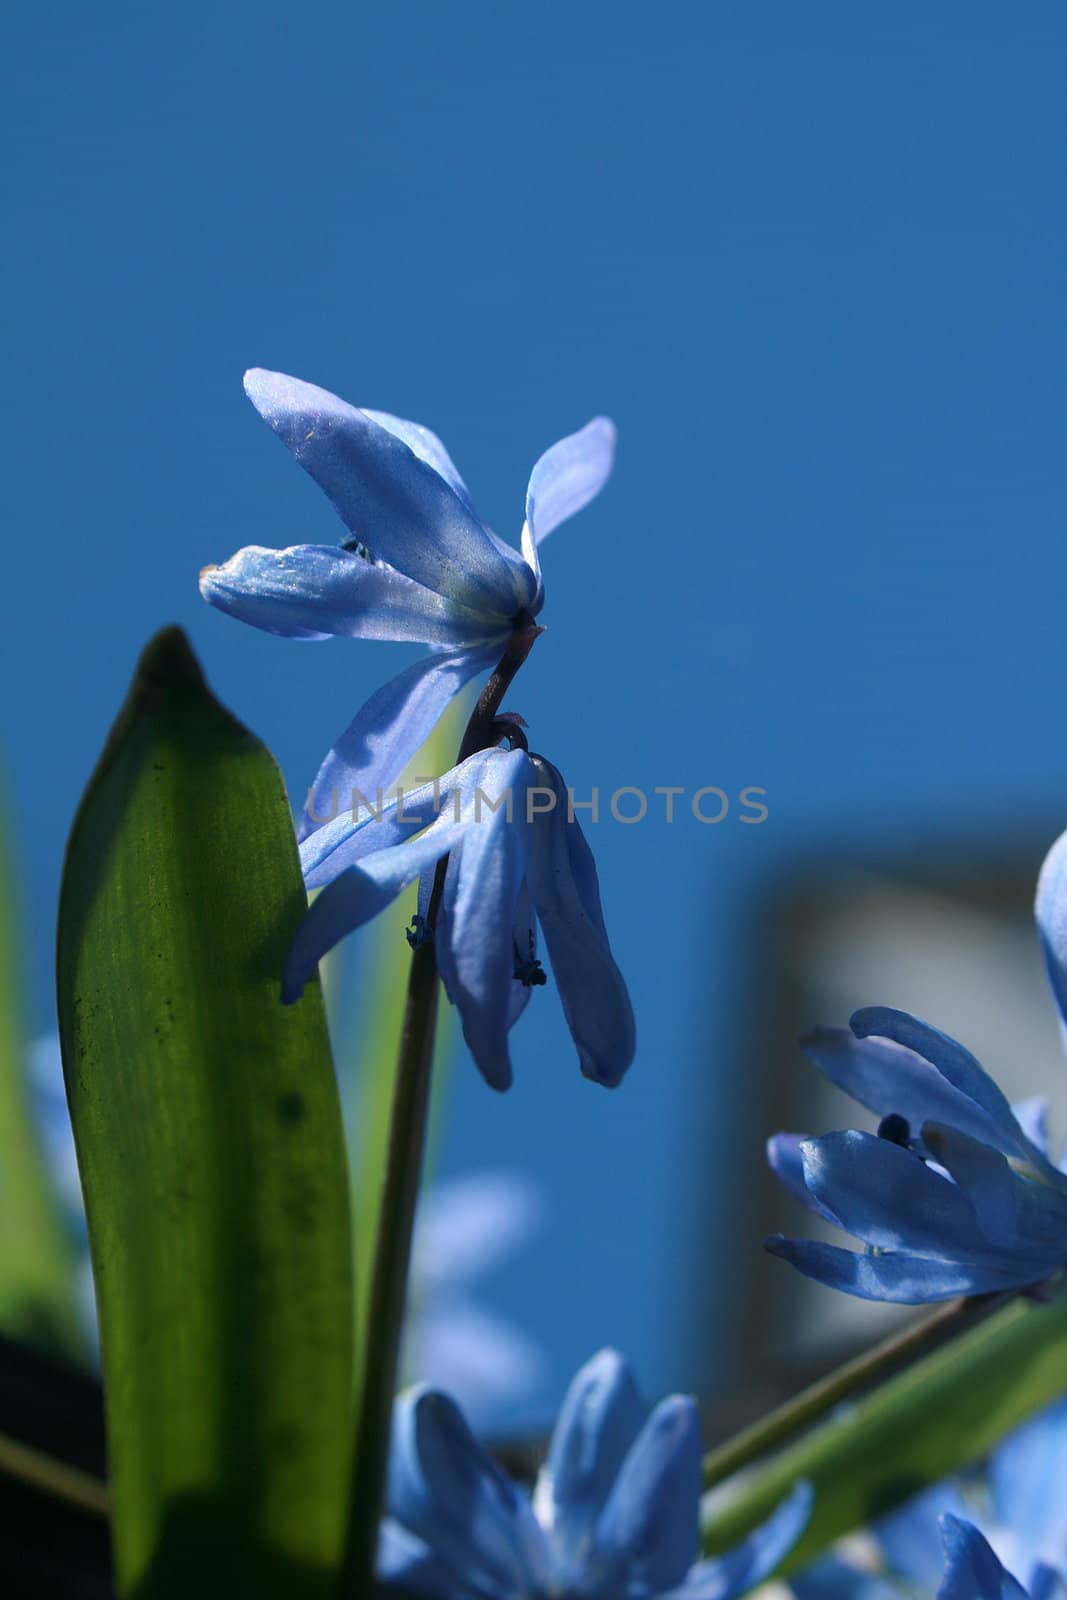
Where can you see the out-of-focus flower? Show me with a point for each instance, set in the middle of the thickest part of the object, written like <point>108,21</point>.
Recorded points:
<point>956,1194</point>
<point>465,1226</point>
<point>49,1102</point>
<point>615,1514</point>
<point>419,565</point>
<point>973,1571</point>
<point>1015,1506</point>
<point>516,853</point>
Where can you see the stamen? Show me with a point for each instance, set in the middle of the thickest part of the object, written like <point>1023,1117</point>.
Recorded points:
<point>419,932</point>
<point>356,547</point>
<point>896,1129</point>
<point>531,974</point>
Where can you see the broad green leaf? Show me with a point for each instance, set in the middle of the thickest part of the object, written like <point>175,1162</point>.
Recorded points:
<point>38,1292</point>
<point>212,1156</point>
<point>944,1413</point>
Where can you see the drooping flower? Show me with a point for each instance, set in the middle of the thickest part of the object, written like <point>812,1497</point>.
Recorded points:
<point>419,564</point>
<point>1014,1504</point>
<point>956,1194</point>
<point>516,857</point>
<point>615,1514</point>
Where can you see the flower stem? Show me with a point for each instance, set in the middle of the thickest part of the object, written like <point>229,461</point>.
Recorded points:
<point>392,1257</point>
<point>874,1365</point>
<point>400,1186</point>
<point>27,1465</point>
<point>479,732</point>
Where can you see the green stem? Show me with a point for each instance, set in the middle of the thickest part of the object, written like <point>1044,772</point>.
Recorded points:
<point>940,1415</point>
<point>866,1370</point>
<point>56,1478</point>
<point>396,1223</point>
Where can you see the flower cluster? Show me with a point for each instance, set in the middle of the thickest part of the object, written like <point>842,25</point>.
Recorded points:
<point>420,564</point>
<point>615,1512</point>
<point>956,1193</point>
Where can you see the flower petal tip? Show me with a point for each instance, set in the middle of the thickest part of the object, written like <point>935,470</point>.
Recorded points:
<point>292,989</point>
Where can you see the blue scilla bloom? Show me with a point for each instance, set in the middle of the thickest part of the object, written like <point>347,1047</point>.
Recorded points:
<point>1014,1509</point>
<point>615,1514</point>
<point>419,564</point>
<point>455,1340</point>
<point>956,1194</point>
<point>516,858</point>
<point>973,1571</point>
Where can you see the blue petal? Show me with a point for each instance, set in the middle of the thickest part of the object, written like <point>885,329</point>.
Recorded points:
<point>357,895</point>
<point>896,1277</point>
<point>469,1225</point>
<point>391,497</point>
<point>475,939</point>
<point>757,1557</point>
<point>564,480</point>
<point>524,940</point>
<point>315,591</point>
<point>428,447</point>
<point>910,1537</point>
<point>444,1489</point>
<point>786,1160</point>
<point>1032,1115</point>
<point>973,1571</point>
<point>888,1197</point>
<point>562,883</point>
<point>383,737</point>
<point>598,1422</point>
<point>830,1578</point>
<point>959,1067</point>
<point>1047,1583</point>
<point>889,1077</point>
<point>649,1530</point>
<point>410,1564</point>
<point>361,831</point>
<point>1027,1473</point>
<point>569,474</point>
<point>984,1176</point>
<point>1051,911</point>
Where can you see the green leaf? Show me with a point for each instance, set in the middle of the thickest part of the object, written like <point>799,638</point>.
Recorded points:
<point>212,1155</point>
<point>38,1291</point>
<point>945,1412</point>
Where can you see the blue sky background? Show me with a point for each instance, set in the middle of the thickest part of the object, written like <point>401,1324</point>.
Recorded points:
<point>812,260</point>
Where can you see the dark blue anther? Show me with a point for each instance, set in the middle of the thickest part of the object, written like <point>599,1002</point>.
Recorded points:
<point>896,1130</point>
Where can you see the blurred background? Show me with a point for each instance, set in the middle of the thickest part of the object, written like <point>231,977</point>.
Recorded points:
<point>811,258</point>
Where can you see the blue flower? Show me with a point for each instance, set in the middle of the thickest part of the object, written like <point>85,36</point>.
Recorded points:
<point>454,1340</point>
<point>615,1514</point>
<point>956,1193</point>
<point>1005,1525</point>
<point>973,1571</point>
<point>419,565</point>
<point>517,857</point>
